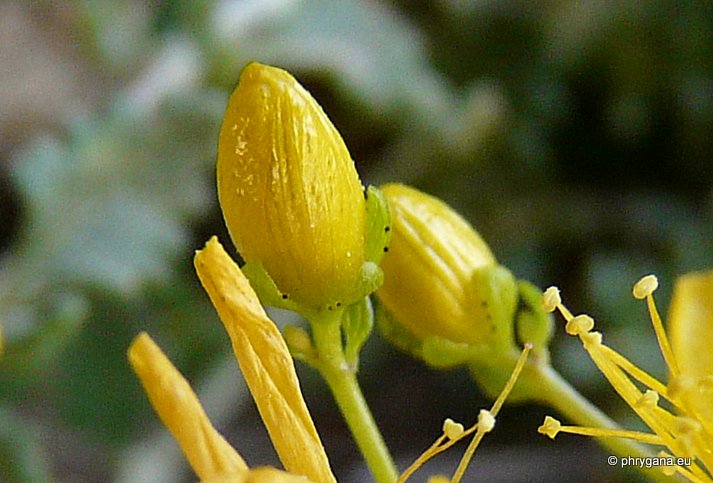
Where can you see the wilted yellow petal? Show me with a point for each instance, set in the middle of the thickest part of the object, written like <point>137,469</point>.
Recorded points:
<point>265,363</point>
<point>179,409</point>
<point>429,267</point>
<point>259,475</point>
<point>690,330</point>
<point>290,193</point>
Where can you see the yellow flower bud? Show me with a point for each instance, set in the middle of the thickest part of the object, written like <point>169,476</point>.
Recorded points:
<point>290,194</point>
<point>429,268</point>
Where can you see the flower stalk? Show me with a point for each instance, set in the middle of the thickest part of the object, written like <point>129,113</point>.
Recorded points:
<point>341,378</point>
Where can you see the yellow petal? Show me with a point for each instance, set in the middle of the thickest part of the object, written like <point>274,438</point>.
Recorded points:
<point>290,193</point>
<point>690,330</point>
<point>265,363</point>
<point>429,266</point>
<point>179,409</point>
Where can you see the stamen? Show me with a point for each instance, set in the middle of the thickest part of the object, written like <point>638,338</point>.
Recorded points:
<point>645,286</point>
<point>649,400</point>
<point>519,365</point>
<point>550,427</point>
<point>551,299</point>
<point>635,372</point>
<point>486,420</point>
<point>452,430</point>
<point>580,324</point>
<point>591,340</point>
<point>658,326</point>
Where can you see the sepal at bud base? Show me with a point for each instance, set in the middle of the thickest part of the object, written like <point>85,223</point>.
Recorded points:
<point>437,352</point>
<point>532,323</point>
<point>266,289</point>
<point>357,323</point>
<point>378,229</point>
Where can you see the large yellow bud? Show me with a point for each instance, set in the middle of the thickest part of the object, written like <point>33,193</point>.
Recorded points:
<point>290,194</point>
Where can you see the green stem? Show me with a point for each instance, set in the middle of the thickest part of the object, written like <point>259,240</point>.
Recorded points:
<point>345,388</point>
<point>558,393</point>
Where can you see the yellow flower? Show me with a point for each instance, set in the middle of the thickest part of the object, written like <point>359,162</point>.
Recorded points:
<point>290,194</point>
<point>268,370</point>
<point>686,429</point>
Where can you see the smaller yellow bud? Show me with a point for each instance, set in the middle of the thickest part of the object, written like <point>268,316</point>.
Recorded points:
<point>429,269</point>
<point>290,194</point>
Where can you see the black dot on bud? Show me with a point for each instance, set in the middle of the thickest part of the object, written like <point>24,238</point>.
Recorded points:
<point>284,296</point>
<point>339,304</point>
<point>386,249</point>
<point>387,229</point>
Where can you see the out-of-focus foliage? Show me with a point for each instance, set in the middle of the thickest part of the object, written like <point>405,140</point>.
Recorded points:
<point>574,135</point>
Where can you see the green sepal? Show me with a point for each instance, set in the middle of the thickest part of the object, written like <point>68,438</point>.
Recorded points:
<point>532,323</point>
<point>357,323</point>
<point>492,301</point>
<point>437,352</point>
<point>442,353</point>
<point>395,333</point>
<point>370,279</point>
<point>267,290</point>
<point>378,228</point>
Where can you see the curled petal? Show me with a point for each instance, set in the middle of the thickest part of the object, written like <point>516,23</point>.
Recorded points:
<point>265,363</point>
<point>181,412</point>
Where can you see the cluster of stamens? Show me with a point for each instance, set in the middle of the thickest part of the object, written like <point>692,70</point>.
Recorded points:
<point>454,432</point>
<point>684,433</point>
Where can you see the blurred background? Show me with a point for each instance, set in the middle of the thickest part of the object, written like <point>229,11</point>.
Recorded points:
<point>576,136</point>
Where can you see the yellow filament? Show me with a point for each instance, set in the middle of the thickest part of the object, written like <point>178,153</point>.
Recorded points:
<point>483,426</point>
